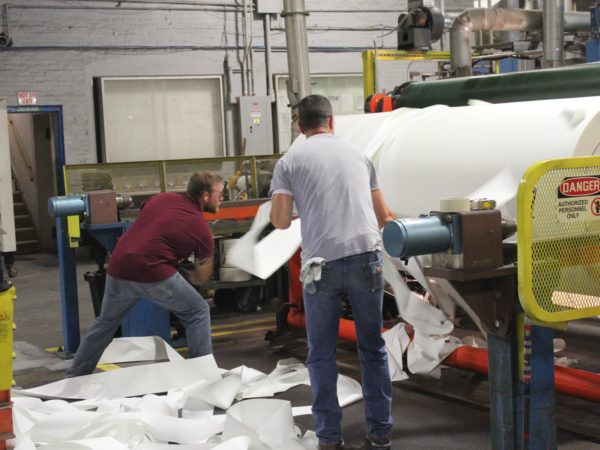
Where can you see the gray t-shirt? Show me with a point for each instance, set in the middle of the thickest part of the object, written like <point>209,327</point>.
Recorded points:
<point>331,182</point>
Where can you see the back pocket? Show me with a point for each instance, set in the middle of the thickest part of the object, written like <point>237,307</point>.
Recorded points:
<point>373,273</point>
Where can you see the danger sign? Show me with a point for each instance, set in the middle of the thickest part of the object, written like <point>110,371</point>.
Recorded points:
<point>579,199</point>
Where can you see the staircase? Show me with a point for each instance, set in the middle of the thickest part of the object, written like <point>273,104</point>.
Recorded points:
<point>27,239</point>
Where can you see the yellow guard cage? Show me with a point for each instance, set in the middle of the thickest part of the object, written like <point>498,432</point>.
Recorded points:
<point>558,234</point>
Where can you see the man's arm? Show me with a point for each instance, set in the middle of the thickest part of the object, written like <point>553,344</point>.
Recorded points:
<point>202,271</point>
<point>281,211</point>
<point>383,213</point>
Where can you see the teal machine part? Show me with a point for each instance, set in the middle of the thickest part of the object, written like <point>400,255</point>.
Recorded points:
<point>582,80</point>
<point>403,238</point>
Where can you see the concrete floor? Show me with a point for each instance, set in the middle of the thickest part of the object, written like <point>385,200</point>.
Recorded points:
<point>450,413</point>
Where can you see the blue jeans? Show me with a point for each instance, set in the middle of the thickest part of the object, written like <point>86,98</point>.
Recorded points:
<point>174,294</point>
<point>360,277</point>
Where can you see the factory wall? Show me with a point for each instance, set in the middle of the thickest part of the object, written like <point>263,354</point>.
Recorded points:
<point>60,47</point>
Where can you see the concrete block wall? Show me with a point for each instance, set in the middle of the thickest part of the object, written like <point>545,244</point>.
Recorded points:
<point>60,47</point>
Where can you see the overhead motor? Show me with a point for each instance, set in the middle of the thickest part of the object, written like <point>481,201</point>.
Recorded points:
<point>419,27</point>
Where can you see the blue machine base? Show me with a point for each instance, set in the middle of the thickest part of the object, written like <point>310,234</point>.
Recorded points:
<point>148,319</point>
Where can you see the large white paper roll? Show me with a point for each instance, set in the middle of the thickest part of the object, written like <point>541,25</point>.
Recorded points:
<point>424,155</point>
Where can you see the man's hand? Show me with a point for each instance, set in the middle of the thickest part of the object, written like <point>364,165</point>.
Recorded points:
<point>201,271</point>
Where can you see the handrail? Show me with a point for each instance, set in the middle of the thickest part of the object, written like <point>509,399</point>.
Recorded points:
<point>19,143</point>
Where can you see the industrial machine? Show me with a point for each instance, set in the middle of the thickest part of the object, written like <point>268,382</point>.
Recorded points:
<point>503,88</point>
<point>516,292</point>
<point>518,303</point>
<point>103,200</point>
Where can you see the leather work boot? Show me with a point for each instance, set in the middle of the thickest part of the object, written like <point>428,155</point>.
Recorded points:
<point>378,443</point>
<point>338,446</point>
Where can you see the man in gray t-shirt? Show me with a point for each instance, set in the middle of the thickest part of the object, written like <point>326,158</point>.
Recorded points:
<point>341,205</point>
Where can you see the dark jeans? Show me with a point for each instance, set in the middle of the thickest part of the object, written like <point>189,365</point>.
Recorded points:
<point>360,277</point>
<point>174,294</point>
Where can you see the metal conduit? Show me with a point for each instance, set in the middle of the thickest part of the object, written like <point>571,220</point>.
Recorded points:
<point>501,19</point>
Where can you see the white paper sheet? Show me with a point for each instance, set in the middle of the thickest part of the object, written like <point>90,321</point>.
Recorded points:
<point>421,315</point>
<point>302,410</point>
<point>104,443</point>
<point>157,446</point>
<point>248,374</point>
<point>135,426</point>
<point>423,353</point>
<point>396,342</point>
<point>221,393</point>
<point>263,257</point>
<point>348,390</point>
<point>153,422</point>
<point>426,352</point>
<point>142,348</point>
<point>118,383</point>
<point>265,422</point>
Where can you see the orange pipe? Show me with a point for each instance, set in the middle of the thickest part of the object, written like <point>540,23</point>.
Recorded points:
<point>347,332</point>
<point>233,213</point>
<point>575,382</point>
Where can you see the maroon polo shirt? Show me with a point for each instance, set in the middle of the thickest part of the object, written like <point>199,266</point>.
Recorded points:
<point>170,227</point>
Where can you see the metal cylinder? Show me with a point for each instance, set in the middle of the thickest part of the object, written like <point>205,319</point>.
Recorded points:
<point>554,31</point>
<point>294,14</point>
<point>403,238</point>
<point>584,81</point>
<point>124,201</point>
<point>65,206</point>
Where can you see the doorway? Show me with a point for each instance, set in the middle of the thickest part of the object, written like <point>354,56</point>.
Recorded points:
<point>37,159</point>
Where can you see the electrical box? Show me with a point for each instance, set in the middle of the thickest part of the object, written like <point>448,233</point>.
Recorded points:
<point>257,125</point>
<point>269,6</point>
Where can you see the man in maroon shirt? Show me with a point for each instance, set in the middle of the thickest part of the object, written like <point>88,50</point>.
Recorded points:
<point>170,227</point>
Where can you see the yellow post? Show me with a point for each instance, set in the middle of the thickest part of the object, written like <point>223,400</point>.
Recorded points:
<point>6,355</point>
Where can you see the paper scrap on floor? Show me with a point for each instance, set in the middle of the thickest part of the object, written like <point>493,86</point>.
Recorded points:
<point>182,418</point>
<point>134,349</point>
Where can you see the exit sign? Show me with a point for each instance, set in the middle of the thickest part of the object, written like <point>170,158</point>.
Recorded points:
<point>27,98</point>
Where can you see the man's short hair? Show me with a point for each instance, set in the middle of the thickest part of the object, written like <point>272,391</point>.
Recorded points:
<point>201,182</point>
<point>314,112</point>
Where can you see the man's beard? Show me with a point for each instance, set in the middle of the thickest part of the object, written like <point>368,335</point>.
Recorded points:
<point>210,208</point>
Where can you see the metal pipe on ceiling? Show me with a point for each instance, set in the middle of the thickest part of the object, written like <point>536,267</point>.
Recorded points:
<point>554,32</point>
<point>294,14</point>
<point>510,36</point>
<point>268,70</point>
<point>501,19</point>
<point>498,19</point>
